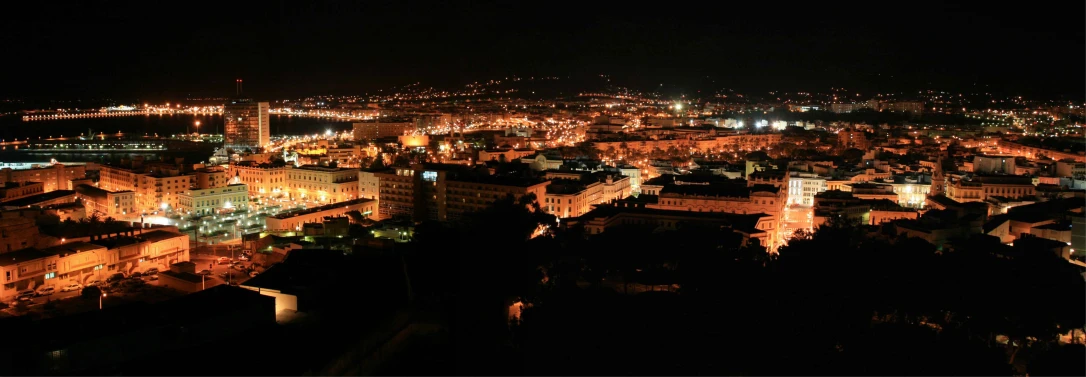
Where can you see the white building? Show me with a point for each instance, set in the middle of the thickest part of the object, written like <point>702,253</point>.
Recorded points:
<point>214,200</point>
<point>802,188</point>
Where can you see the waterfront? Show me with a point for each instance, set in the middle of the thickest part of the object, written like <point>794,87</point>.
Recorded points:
<point>12,127</point>
<point>164,125</point>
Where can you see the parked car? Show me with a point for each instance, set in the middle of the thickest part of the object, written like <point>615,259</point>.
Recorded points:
<point>226,275</point>
<point>115,277</point>
<point>151,271</point>
<point>26,293</point>
<point>224,260</point>
<point>94,283</point>
<point>152,277</point>
<point>45,291</point>
<point>204,272</point>
<point>243,257</point>
<point>252,274</point>
<point>135,275</point>
<point>71,287</point>
<point>240,267</point>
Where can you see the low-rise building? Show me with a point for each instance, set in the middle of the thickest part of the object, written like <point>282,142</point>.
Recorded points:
<point>52,176</point>
<point>760,227</point>
<point>293,221</point>
<point>264,179</point>
<point>83,262</point>
<point>108,203</point>
<point>446,192</point>
<point>208,201</point>
<point>322,184</point>
<point>572,194</point>
<point>15,190</point>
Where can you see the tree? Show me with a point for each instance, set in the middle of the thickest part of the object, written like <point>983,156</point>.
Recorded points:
<point>378,163</point>
<point>90,293</point>
<point>852,155</point>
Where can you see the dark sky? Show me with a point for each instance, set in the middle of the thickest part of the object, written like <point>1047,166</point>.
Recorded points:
<point>154,49</point>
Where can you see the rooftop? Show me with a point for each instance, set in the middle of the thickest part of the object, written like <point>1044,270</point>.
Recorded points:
<point>39,198</point>
<point>159,235</point>
<point>321,208</point>
<point>744,222</point>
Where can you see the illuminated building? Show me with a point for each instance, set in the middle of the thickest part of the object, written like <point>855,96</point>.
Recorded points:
<point>445,192</point>
<point>294,221</point>
<point>716,194</point>
<point>214,200</point>
<point>979,188</point>
<point>372,130</point>
<point>246,125</point>
<point>83,262</point>
<point>156,189</point>
<point>993,164</point>
<point>15,190</point>
<point>322,184</point>
<point>572,194</point>
<point>52,177</point>
<point>852,139</point>
<point>262,179</point>
<point>802,188</point>
<point>109,203</point>
<point>872,191</point>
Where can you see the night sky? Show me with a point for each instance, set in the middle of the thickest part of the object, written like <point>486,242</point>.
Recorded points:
<point>152,49</point>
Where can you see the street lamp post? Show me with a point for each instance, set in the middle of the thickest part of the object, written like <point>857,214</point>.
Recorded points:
<point>100,300</point>
<point>197,127</point>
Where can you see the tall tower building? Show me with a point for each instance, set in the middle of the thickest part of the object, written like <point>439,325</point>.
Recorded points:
<point>938,179</point>
<point>246,125</point>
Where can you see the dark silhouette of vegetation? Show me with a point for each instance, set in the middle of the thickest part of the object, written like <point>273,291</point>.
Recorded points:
<point>93,224</point>
<point>90,293</point>
<point>690,299</point>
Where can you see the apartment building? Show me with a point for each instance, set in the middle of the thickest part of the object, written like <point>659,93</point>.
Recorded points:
<point>980,188</point>
<point>264,179</point>
<point>52,177</point>
<point>116,204</point>
<point>380,129</point>
<point>572,194</point>
<point>716,194</point>
<point>156,189</point>
<point>15,190</point>
<point>322,184</point>
<point>445,192</point>
<point>802,188</point>
<point>83,262</point>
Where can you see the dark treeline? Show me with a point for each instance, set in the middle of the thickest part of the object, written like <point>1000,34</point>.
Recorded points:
<point>841,301</point>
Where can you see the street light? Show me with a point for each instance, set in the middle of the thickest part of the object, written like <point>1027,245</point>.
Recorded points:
<point>100,300</point>
<point>197,127</point>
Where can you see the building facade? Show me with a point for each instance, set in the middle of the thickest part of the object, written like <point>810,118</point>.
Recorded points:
<point>294,221</point>
<point>83,262</point>
<point>52,177</point>
<point>372,130</point>
<point>322,184</point>
<point>246,125</point>
<point>446,192</point>
<point>15,190</point>
<point>263,179</point>
<point>116,204</point>
<point>215,200</point>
